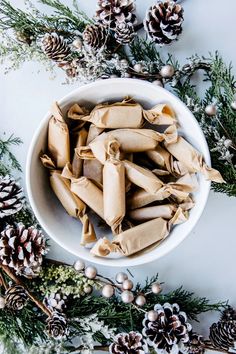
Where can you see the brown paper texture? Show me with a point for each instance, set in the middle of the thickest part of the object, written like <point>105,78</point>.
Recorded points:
<point>77,163</point>
<point>142,177</point>
<point>130,140</point>
<point>190,157</point>
<point>58,138</point>
<point>93,169</point>
<point>77,112</point>
<point>47,162</point>
<point>93,133</point>
<point>133,240</point>
<point>91,195</point>
<point>61,187</point>
<point>165,211</point>
<point>161,114</point>
<point>114,192</point>
<point>88,234</point>
<point>164,159</point>
<point>140,237</point>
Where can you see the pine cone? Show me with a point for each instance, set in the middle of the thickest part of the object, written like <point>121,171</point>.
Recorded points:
<point>55,47</point>
<point>170,329</point>
<point>163,22</point>
<point>11,197</point>
<point>22,249</point>
<point>95,36</point>
<point>223,333</point>
<point>228,314</point>
<point>16,297</point>
<point>57,326</point>
<point>124,33</point>
<point>112,12</point>
<point>196,344</point>
<point>128,343</point>
<point>55,302</point>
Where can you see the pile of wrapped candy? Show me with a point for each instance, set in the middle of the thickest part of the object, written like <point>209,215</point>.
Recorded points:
<point>129,166</point>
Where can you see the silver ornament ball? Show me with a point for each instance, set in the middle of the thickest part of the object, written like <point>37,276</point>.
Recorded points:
<point>152,315</point>
<point>127,75</point>
<point>88,289</point>
<point>121,277</point>
<point>138,68</point>
<point>108,291</point>
<point>156,288</point>
<point>127,284</point>
<point>127,297</point>
<point>227,143</point>
<point>79,265</point>
<point>124,62</point>
<point>77,43</point>
<point>2,302</point>
<point>233,105</point>
<point>167,71</point>
<point>211,110</point>
<point>90,272</point>
<point>140,300</point>
<point>158,83</point>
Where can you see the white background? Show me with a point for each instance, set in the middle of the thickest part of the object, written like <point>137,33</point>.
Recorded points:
<point>205,262</point>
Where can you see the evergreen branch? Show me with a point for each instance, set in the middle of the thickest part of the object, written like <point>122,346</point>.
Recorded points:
<point>8,160</point>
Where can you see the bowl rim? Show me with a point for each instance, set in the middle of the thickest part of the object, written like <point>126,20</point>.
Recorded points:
<point>100,260</point>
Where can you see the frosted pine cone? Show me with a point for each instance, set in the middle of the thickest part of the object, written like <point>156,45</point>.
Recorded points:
<point>196,344</point>
<point>56,302</point>
<point>223,333</point>
<point>22,249</point>
<point>16,297</point>
<point>95,36</point>
<point>112,12</point>
<point>169,330</point>
<point>55,47</point>
<point>11,197</point>
<point>124,33</point>
<point>57,326</point>
<point>163,22</point>
<point>128,343</point>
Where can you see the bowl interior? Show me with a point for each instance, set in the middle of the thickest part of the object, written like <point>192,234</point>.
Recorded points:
<point>51,215</point>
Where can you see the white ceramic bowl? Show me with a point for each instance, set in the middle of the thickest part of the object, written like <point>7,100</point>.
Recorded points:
<point>51,215</point>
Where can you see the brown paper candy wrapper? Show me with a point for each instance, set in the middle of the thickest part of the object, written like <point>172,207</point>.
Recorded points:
<point>73,205</point>
<point>161,114</point>
<point>130,140</point>
<point>125,114</point>
<point>80,138</point>
<point>61,187</point>
<point>165,211</point>
<point>165,160</point>
<point>138,238</point>
<point>114,192</point>
<point>47,162</point>
<point>88,233</point>
<point>58,138</point>
<point>92,168</point>
<point>194,162</point>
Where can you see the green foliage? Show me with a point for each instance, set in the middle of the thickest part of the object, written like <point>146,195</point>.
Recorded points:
<point>8,161</point>
<point>61,278</point>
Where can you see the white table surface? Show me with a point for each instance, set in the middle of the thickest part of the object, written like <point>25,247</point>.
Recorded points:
<point>204,263</point>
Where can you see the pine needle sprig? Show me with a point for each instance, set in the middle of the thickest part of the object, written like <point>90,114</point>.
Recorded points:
<point>8,160</point>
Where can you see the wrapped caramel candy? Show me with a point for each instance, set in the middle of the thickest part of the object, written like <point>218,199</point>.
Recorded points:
<point>113,190</point>
<point>93,168</point>
<point>47,162</point>
<point>190,157</point>
<point>130,140</point>
<point>58,138</point>
<point>73,205</point>
<point>80,138</point>
<point>125,114</point>
<point>138,238</point>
